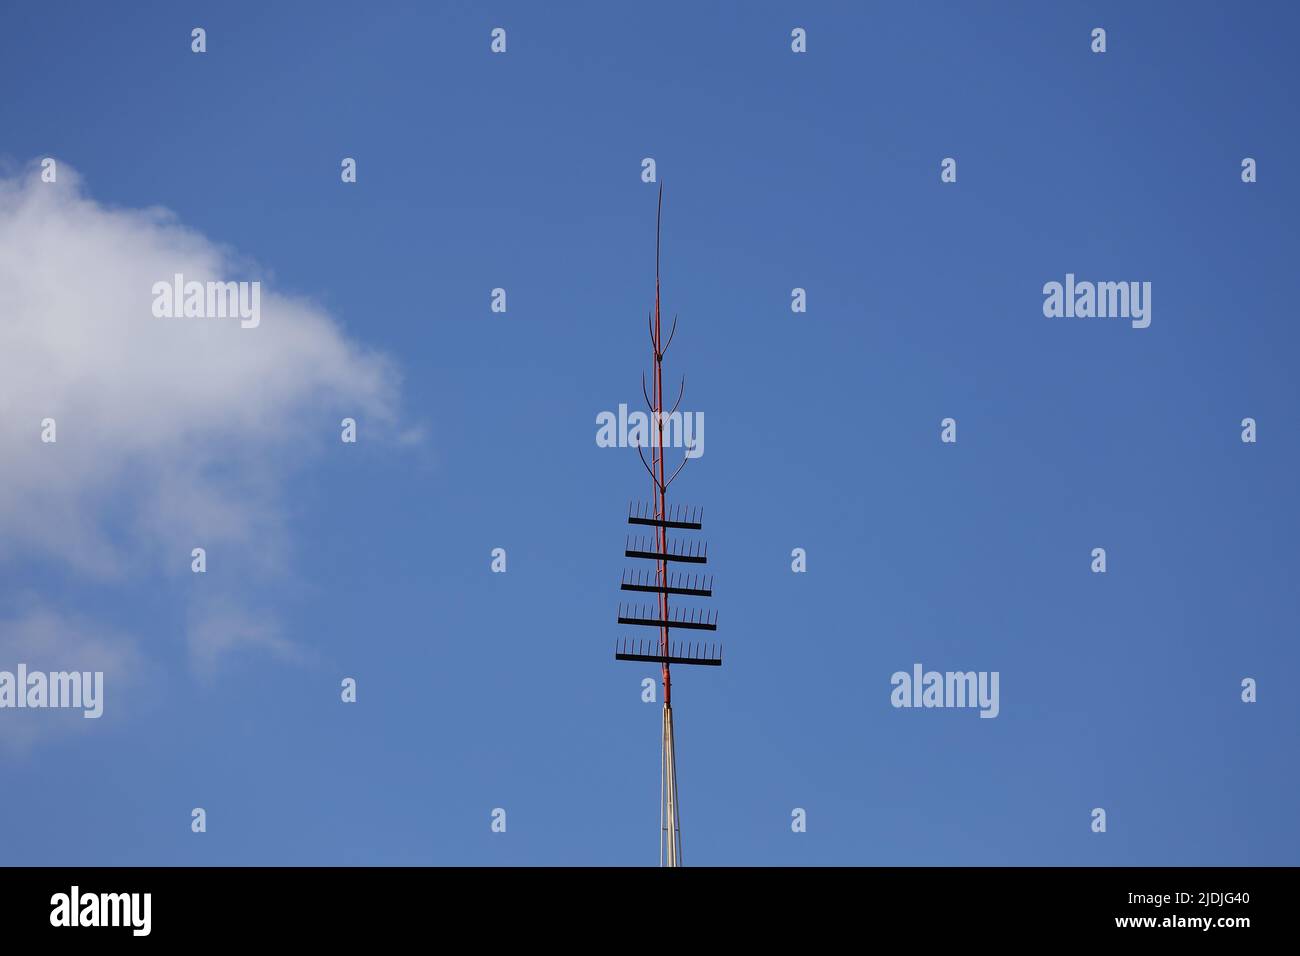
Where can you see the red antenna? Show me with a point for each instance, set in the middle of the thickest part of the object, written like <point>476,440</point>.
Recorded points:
<point>666,652</point>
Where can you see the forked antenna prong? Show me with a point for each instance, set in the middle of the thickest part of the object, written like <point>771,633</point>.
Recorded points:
<point>681,390</point>
<point>671,333</point>
<point>685,459</point>
<point>653,477</point>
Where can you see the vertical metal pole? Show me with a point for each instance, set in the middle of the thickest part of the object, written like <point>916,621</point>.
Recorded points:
<point>670,825</point>
<point>661,532</point>
<point>670,832</point>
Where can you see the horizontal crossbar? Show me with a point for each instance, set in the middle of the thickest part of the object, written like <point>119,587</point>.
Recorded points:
<point>664,523</point>
<point>670,652</point>
<point>712,661</point>
<point>658,622</point>
<point>667,556</point>
<point>667,589</point>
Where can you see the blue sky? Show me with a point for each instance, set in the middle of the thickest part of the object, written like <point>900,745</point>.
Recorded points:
<point>479,690</point>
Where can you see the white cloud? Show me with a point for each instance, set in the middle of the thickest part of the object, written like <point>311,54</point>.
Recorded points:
<point>47,640</point>
<point>174,432</point>
<point>216,629</point>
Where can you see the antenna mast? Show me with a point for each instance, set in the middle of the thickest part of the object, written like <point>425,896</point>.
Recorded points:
<point>665,652</point>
